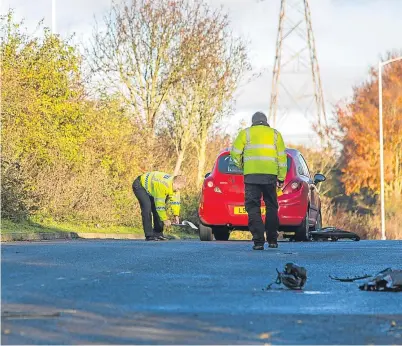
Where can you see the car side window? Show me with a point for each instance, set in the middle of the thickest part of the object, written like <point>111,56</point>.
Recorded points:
<point>306,171</point>
<point>299,167</point>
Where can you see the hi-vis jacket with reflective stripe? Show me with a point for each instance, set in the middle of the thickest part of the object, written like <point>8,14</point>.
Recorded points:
<point>259,149</point>
<point>159,185</point>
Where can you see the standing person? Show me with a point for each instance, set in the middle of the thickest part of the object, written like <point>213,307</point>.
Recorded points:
<point>260,151</point>
<point>154,190</point>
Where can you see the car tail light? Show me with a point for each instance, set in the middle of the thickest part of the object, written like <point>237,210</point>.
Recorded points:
<point>293,186</point>
<point>209,183</point>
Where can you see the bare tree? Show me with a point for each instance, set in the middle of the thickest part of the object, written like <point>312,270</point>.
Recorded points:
<point>182,108</point>
<point>215,64</point>
<point>183,103</point>
<point>141,51</point>
<point>223,78</point>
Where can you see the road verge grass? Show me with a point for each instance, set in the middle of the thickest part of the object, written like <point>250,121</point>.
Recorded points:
<point>30,228</point>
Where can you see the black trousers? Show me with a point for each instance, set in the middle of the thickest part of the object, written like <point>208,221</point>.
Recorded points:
<point>148,210</point>
<point>253,207</point>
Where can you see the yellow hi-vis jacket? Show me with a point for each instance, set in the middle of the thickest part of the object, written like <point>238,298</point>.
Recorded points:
<point>159,185</point>
<point>259,149</point>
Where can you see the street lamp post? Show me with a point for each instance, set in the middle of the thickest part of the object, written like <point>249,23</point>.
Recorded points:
<point>381,64</point>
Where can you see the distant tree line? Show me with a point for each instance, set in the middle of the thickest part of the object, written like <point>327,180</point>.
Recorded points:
<point>147,93</point>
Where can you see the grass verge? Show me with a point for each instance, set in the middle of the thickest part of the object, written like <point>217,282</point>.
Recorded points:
<point>30,227</point>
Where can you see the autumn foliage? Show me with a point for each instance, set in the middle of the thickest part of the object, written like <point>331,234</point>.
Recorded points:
<point>359,123</point>
<point>77,129</point>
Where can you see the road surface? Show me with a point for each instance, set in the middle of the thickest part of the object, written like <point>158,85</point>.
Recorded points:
<point>190,292</point>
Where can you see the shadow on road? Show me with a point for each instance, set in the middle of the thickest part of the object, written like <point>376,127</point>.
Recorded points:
<point>26,324</point>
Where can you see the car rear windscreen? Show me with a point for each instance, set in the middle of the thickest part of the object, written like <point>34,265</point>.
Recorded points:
<point>227,166</point>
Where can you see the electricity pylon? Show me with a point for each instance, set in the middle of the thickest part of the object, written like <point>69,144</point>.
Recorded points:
<point>296,58</point>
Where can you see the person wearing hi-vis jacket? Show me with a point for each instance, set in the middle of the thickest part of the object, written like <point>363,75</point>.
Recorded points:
<point>154,191</point>
<point>260,151</point>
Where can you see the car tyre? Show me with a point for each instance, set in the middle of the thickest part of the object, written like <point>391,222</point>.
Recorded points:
<point>303,231</point>
<point>205,233</point>
<point>221,233</point>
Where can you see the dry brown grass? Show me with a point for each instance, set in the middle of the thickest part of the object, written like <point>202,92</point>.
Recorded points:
<point>393,228</point>
<point>240,235</point>
<point>366,226</point>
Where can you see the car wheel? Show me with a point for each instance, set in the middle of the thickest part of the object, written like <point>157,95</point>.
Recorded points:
<point>221,233</point>
<point>303,231</point>
<point>205,233</point>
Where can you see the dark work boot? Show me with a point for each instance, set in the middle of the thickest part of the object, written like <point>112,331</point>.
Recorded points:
<point>273,244</point>
<point>151,238</point>
<point>161,237</point>
<point>258,247</point>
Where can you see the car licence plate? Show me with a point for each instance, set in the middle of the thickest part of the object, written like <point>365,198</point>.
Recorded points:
<point>242,211</point>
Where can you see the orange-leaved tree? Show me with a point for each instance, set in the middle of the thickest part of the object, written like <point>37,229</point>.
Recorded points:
<point>359,123</point>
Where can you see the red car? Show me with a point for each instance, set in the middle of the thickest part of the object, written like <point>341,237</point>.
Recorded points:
<point>222,210</point>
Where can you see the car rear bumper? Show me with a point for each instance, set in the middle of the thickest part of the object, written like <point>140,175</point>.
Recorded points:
<point>292,211</point>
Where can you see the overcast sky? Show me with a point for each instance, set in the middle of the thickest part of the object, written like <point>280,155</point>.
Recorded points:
<point>350,36</point>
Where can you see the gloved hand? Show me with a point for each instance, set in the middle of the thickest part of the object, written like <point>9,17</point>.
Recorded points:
<point>176,219</point>
<point>279,184</point>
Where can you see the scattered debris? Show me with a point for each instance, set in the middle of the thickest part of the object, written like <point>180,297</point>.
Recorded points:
<point>123,273</point>
<point>395,329</point>
<point>265,336</point>
<point>334,234</point>
<point>293,277</point>
<point>350,279</point>
<point>185,224</point>
<point>387,280</point>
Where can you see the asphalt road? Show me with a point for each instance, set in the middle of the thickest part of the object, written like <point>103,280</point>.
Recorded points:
<point>190,292</point>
